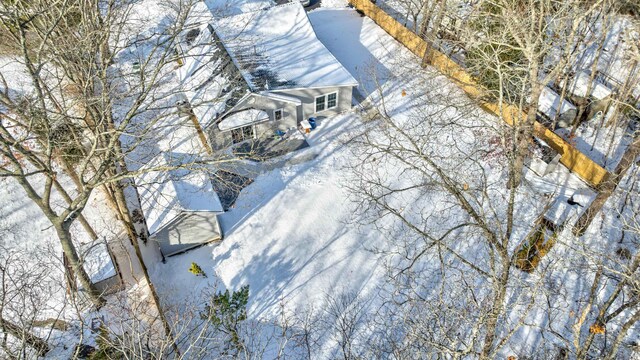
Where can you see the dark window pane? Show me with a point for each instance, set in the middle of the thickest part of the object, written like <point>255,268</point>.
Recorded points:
<point>247,131</point>
<point>236,135</point>
<point>320,103</point>
<point>331,100</point>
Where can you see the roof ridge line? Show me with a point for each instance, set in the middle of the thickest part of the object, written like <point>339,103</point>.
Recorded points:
<point>291,3</point>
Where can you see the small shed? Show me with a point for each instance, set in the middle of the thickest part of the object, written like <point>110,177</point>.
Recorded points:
<point>180,205</point>
<point>188,230</point>
<point>101,267</point>
<point>99,263</point>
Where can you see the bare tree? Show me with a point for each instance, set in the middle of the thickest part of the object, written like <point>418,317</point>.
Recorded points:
<point>460,246</point>
<point>25,291</point>
<point>50,130</point>
<point>516,48</point>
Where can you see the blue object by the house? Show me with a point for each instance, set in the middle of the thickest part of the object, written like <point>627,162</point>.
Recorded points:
<point>280,133</point>
<point>312,122</point>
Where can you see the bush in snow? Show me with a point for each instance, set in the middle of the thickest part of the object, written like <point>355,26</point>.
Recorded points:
<point>196,270</point>
<point>537,244</point>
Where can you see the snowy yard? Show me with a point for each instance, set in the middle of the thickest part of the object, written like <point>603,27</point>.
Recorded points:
<point>290,235</point>
<point>302,236</point>
<point>602,144</point>
<point>294,235</point>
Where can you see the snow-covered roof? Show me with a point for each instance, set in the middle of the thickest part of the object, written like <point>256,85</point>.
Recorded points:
<point>549,103</point>
<point>221,8</point>
<point>242,118</point>
<point>209,78</point>
<point>97,261</point>
<point>199,15</point>
<point>561,211</point>
<point>165,194</point>
<point>580,82</point>
<point>277,48</point>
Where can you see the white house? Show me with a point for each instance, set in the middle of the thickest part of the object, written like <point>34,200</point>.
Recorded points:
<point>248,75</point>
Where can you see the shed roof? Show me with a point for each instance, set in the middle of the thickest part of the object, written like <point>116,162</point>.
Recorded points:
<point>277,48</point>
<point>97,261</point>
<point>164,195</point>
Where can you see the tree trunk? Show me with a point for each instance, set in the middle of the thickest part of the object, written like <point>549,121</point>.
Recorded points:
<point>524,131</point>
<point>496,310</point>
<point>594,68</point>
<point>607,188</point>
<point>201,135</point>
<point>129,225</point>
<point>18,332</point>
<point>108,191</point>
<point>76,265</point>
<point>85,224</point>
<point>426,17</point>
<point>429,35</point>
<point>71,171</point>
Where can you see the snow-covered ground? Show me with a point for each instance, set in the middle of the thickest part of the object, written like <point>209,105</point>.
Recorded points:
<point>290,235</point>
<point>601,142</point>
<point>296,236</point>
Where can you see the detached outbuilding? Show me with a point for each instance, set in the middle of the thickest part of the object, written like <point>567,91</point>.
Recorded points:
<point>554,109</point>
<point>180,206</point>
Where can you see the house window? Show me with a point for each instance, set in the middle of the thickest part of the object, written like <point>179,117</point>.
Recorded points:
<point>325,102</point>
<point>332,100</point>
<point>320,103</point>
<point>278,114</point>
<point>242,134</point>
